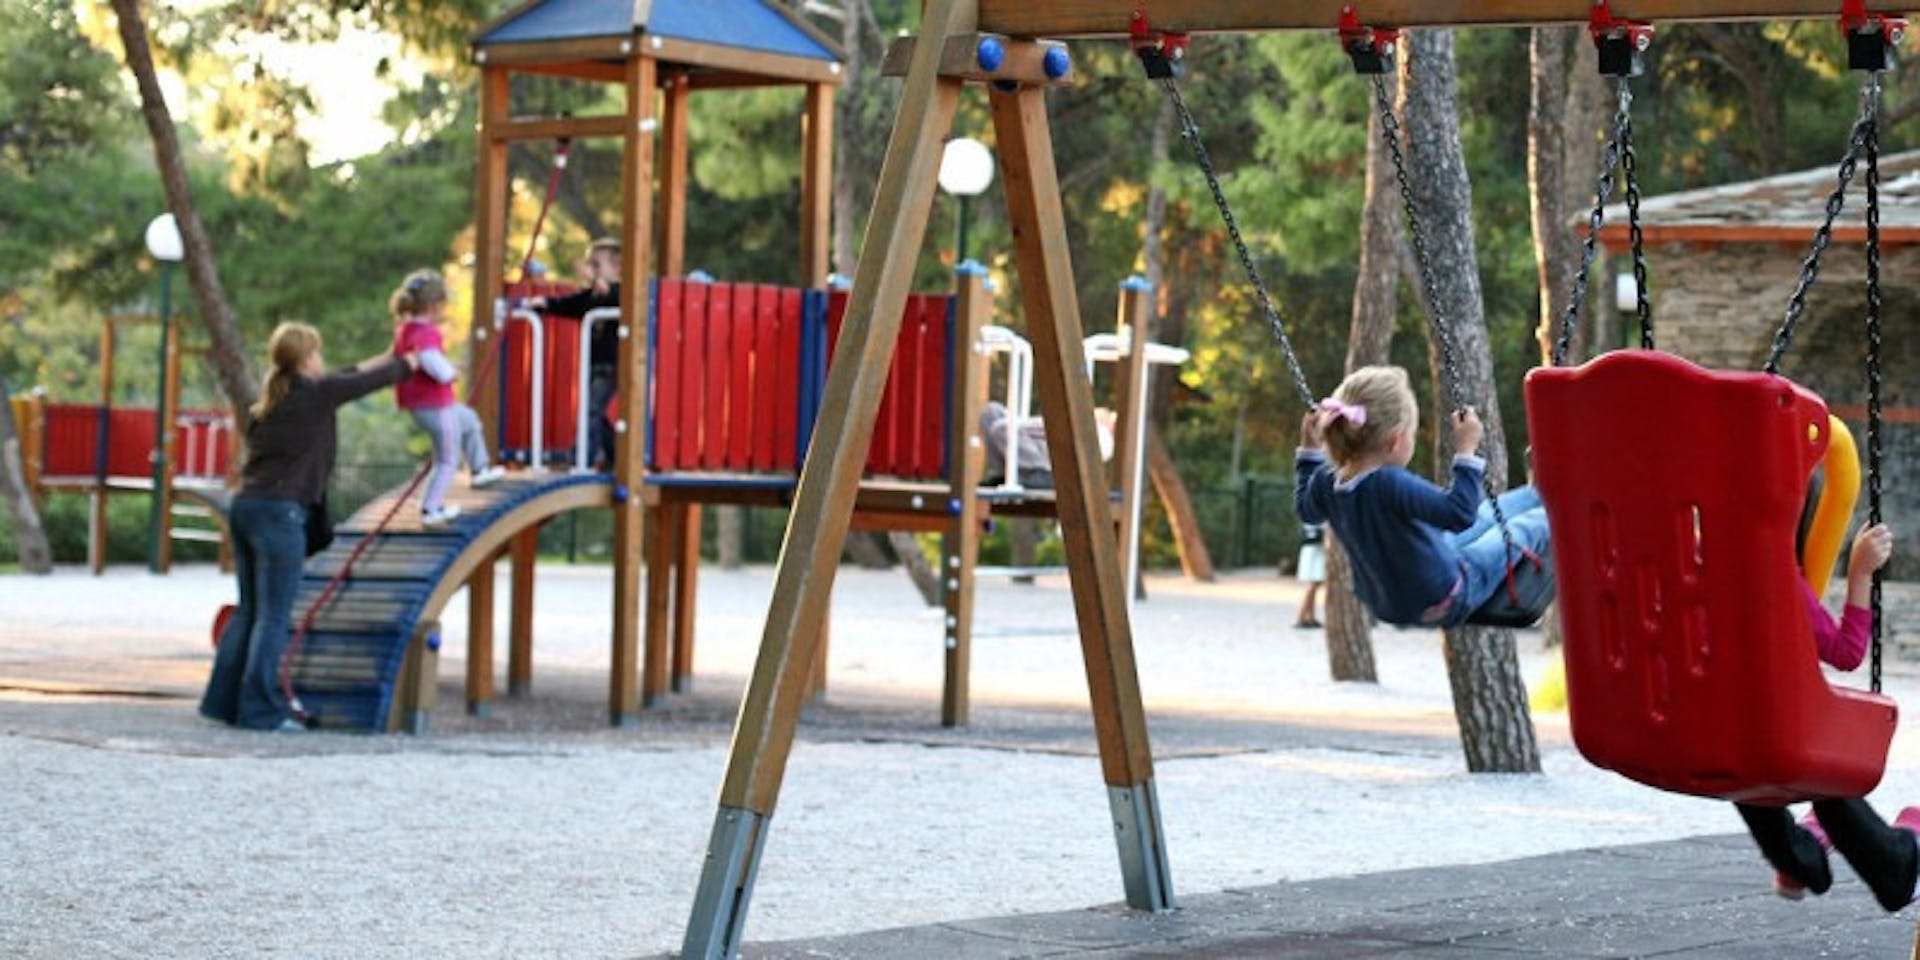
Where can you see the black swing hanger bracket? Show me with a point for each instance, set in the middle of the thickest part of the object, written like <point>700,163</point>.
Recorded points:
<point>1872,38</point>
<point>1622,43</point>
<point>1371,48</point>
<point>1161,52</point>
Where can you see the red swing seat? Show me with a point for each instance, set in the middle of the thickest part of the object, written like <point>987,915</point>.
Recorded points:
<point>1673,493</point>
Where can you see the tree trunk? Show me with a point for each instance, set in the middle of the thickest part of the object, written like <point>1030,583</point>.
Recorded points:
<point>228,349</point>
<point>1023,541</point>
<point>1489,697</point>
<point>730,536</point>
<point>1195,561</point>
<point>28,534</point>
<point>907,547</point>
<point>1369,341</point>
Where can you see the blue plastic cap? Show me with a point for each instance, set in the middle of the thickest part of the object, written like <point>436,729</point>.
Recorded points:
<point>619,493</point>
<point>433,641</point>
<point>700,276</point>
<point>991,54</point>
<point>953,507</point>
<point>837,281</point>
<point>1136,283</point>
<point>970,268</point>
<point>1057,63</point>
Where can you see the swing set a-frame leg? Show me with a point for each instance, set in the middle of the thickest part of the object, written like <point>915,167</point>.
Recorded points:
<point>829,482</point>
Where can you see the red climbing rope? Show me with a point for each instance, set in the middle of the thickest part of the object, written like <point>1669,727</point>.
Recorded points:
<point>482,370</point>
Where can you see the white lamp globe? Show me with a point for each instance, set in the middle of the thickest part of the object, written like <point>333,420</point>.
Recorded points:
<point>1626,292</point>
<point>163,239</point>
<point>966,167</point>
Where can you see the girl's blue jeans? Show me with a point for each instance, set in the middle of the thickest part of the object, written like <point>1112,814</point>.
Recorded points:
<point>1483,551</point>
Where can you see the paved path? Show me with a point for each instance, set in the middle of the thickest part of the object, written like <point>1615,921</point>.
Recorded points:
<point>1698,899</point>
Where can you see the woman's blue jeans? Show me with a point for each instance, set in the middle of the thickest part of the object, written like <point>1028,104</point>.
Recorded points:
<point>269,551</point>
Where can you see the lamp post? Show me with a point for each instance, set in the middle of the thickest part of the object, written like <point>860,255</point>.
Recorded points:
<point>163,242</point>
<point>966,170</point>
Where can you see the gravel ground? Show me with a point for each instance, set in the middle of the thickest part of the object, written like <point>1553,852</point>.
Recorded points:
<point>128,828</point>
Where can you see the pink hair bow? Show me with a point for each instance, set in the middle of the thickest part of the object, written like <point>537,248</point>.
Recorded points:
<point>1354,413</point>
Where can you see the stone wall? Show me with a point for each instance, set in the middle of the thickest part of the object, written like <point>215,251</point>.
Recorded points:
<point>1720,307</point>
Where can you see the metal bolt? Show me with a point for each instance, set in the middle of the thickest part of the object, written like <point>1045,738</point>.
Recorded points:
<point>918,501</point>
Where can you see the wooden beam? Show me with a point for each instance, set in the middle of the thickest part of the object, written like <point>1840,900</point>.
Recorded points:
<point>490,251</point>
<point>556,127</point>
<point>1130,385</point>
<point>596,71</point>
<point>629,453</point>
<point>1066,406</point>
<point>816,187</point>
<point>823,502</point>
<point>966,459</point>
<point>686,594</point>
<point>97,506</point>
<point>1616,236</point>
<point>1025,61</point>
<point>526,557</point>
<point>480,640</point>
<point>164,437</point>
<point>617,49</point>
<point>653,680</point>
<point>673,175</point>
<point>418,688</point>
<point>1064,19</point>
<point>734,80</point>
<point>758,63</point>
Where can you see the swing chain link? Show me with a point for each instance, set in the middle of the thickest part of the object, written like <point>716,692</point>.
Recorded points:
<point>1416,238</point>
<point>1642,306</point>
<point>1863,130</point>
<point>1602,192</point>
<point>1871,145</point>
<point>1190,132</point>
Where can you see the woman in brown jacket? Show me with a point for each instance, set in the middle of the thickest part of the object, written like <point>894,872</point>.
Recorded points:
<point>290,448</point>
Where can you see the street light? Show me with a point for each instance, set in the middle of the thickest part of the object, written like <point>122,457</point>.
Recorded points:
<point>163,242</point>
<point>966,170</point>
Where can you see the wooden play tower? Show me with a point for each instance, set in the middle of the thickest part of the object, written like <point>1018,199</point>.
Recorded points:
<point>660,52</point>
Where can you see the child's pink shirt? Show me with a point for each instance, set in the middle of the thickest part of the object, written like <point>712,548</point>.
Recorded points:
<point>420,391</point>
<point>1842,644</point>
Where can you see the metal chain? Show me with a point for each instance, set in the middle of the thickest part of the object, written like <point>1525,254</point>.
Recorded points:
<point>1643,307</point>
<point>1872,146</point>
<point>1417,239</point>
<point>1190,132</point>
<point>1863,129</point>
<point>1602,192</point>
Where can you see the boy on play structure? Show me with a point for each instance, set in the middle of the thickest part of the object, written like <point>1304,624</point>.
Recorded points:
<point>1421,555</point>
<point>1886,857</point>
<point>419,305</point>
<point>601,273</point>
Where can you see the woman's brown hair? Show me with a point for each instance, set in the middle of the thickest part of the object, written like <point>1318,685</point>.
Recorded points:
<point>288,350</point>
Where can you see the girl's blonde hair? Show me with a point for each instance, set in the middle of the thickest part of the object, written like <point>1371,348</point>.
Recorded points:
<point>1372,405</point>
<point>417,293</point>
<point>288,351</point>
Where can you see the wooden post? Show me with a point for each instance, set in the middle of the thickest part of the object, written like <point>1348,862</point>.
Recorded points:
<point>164,438</point>
<point>1130,385</point>
<point>526,556</point>
<point>1066,406</point>
<point>419,675</point>
<point>629,454</point>
<point>823,502</point>
<point>673,175</point>
<point>490,249</point>
<point>664,520</point>
<point>966,458</point>
<point>480,640</point>
<point>686,591</point>
<point>97,503</point>
<point>816,187</point>
<point>818,690</point>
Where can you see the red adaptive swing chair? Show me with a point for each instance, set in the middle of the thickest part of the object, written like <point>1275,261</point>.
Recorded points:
<point>1674,493</point>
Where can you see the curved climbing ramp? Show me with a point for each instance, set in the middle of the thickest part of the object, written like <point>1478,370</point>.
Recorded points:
<point>368,662</point>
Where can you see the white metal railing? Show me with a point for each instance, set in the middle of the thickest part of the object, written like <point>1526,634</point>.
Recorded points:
<point>537,448</point>
<point>995,340</point>
<point>582,445</point>
<point>1114,348</point>
<point>205,434</point>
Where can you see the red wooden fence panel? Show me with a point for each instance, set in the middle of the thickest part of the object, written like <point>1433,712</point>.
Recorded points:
<point>667,415</point>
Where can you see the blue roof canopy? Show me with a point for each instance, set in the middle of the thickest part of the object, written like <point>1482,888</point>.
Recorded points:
<point>742,24</point>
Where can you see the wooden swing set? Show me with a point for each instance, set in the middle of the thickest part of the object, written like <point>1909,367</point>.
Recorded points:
<point>1011,48</point>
